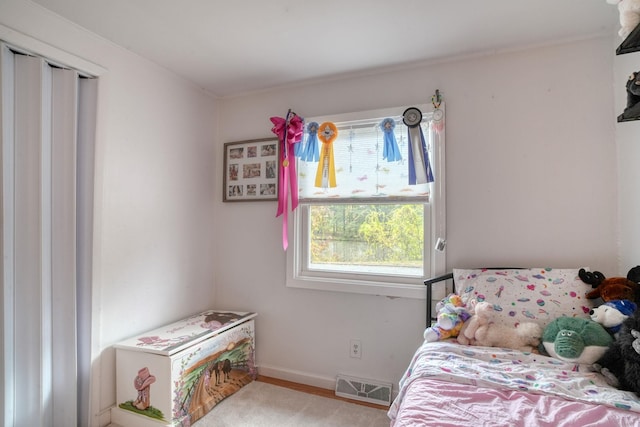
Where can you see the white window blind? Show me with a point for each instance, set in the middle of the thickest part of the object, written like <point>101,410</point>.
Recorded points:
<point>362,174</point>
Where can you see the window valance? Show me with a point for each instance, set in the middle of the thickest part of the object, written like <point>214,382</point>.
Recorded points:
<point>363,171</point>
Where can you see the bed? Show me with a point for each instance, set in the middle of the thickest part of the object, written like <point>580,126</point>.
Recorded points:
<point>449,384</point>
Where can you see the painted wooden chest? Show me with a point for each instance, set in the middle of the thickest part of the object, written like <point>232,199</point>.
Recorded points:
<point>174,375</point>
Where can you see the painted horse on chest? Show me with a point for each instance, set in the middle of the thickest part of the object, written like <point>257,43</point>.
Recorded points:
<point>222,369</point>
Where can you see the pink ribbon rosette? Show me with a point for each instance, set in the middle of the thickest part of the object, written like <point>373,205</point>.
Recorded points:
<point>289,132</point>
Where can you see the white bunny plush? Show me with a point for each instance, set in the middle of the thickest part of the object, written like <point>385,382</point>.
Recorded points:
<point>480,330</point>
<point>629,15</point>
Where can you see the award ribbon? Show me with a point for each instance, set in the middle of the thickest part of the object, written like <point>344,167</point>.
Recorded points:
<point>310,152</point>
<point>391,151</point>
<point>419,167</point>
<point>326,173</point>
<point>289,132</point>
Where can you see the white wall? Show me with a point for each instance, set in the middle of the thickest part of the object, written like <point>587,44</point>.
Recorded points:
<point>628,144</point>
<point>154,192</point>
<point>531,181</point>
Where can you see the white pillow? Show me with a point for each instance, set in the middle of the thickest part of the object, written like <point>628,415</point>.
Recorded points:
<point>526,295</point>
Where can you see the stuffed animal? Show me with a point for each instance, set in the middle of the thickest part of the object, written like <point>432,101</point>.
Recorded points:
<point>629,15</point>
<point>614,288</point>
<point>576,340</point>
<point>481,315</point>
<point>480,330</point>
<point>634,274</point>
<point>620,364</point>
<point>632,110</point>
<point>611,314</point>
<point>524,337</point>
<point>452,313</point>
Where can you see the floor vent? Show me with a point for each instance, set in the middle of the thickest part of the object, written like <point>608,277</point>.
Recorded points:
<point>366,390</point>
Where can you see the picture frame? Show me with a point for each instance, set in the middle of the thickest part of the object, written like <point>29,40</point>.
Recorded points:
<point>251,170</point>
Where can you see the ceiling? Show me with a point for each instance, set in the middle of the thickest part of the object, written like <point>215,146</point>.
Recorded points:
<point>231,47</point>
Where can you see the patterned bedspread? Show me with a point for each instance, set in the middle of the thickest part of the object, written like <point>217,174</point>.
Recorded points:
<point>511,370</point>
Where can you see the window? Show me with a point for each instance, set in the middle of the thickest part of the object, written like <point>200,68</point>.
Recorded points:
<point>372,233</point>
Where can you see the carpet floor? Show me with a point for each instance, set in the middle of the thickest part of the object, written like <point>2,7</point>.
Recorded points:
<point>260,404</point>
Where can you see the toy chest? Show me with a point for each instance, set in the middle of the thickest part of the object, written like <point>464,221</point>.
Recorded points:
<point>174,375</point>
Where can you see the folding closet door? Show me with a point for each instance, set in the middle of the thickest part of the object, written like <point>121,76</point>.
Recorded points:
<point>42,369</point>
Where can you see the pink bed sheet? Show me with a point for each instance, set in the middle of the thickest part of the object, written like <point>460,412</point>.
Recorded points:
<point>436,403</point>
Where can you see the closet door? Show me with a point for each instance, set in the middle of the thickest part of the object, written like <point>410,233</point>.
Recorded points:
<point>41,369</point>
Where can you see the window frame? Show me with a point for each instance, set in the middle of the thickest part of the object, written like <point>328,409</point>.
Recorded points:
<point>298,276</point>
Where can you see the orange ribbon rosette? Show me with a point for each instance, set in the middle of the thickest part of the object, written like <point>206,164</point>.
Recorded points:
<point>326,174</point>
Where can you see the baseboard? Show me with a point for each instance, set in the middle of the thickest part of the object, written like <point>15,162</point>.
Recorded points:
<point>297,376</point>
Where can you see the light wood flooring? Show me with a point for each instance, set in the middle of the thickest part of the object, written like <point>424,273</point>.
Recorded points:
<point>318,391</point>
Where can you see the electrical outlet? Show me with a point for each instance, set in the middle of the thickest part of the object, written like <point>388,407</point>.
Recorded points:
<point>355,348</point>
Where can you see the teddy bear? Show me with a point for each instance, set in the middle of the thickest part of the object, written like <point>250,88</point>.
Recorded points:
<point>481,331</point>
<point>629,15</point>
<point>612,313</point>
<point>452,313</point>
<point>620,364</point>
<point>614,288</point>
<point>575,340</point>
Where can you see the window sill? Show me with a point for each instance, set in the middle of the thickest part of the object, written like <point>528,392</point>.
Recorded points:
<point>391,290</point>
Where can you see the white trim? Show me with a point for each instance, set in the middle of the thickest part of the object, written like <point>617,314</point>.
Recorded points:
<point>27,44</point>
<point>388,289</point>
<point>7,331</point>
<point>369,284</point>
<point>439,201</point>
<point>297,376</point>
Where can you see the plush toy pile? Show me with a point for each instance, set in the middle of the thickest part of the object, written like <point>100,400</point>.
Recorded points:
<point>609,340</point>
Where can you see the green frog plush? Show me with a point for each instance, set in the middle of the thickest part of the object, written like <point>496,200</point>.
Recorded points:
<point>575,340</point>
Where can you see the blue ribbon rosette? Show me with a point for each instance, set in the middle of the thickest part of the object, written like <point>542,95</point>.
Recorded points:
<point>311,152</point>
<point>391,151</point>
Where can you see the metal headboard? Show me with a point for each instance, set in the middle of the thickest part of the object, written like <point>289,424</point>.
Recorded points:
<point>429,284</point>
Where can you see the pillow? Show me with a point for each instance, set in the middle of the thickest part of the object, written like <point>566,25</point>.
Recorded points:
<point>538,295</point>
